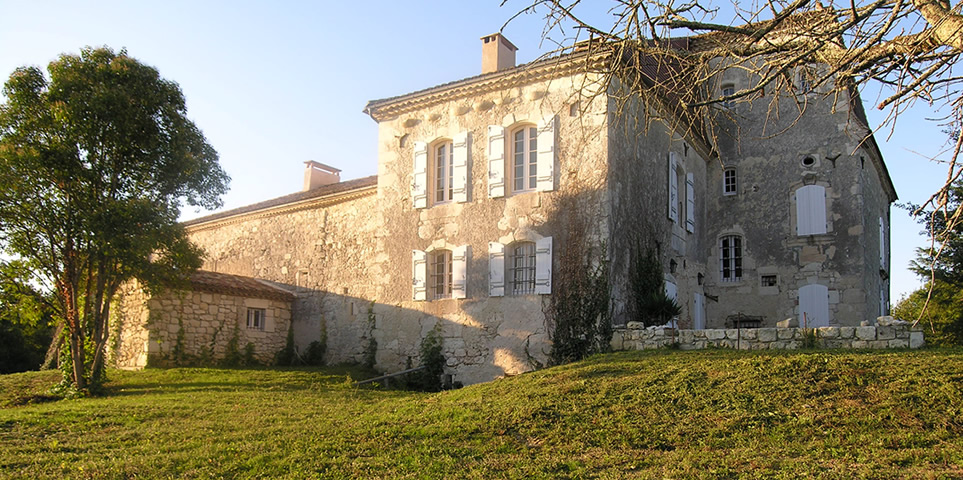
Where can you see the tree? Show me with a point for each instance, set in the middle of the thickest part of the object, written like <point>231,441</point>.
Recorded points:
<point>906,48</point>
<point>26,321</point>
<point>95,163</point>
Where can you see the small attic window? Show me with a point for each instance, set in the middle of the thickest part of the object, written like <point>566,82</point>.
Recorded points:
<point>573,109</point>
<point>809,162</point>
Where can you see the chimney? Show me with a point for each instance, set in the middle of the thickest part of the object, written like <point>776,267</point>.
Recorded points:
<point>317,174</point>
<point>497,53</point>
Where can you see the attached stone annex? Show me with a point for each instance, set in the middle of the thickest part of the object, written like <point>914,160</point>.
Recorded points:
<point>459,231</point>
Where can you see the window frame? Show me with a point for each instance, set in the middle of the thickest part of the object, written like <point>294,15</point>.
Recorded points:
<point>529,180</point>
<point>440,274</point>
<point>256,318</point>
<point>731,258</point>
<point>442,172</point>
<point>521,277</point>
<point>726,184</point>
<point>727,104</point>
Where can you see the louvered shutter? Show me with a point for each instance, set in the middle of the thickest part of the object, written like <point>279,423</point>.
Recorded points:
<point>459,271</point>
<point>419,275</point>
<point>671,290</point>
<point>814,306</point>
<point>543,266</point>
<point>496,161</point>
<point>496,269</point>
<point>419,180</point>
<point>690,203</point>
<point>699,311</point>
<point>461,155</point>
<point>810,210</point>
<point>882,244</point>
<point>673,188</point>
<point>545,167</point>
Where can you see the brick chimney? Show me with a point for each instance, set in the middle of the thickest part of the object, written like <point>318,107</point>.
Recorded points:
<point>497,53</point>
<point>317,174</point>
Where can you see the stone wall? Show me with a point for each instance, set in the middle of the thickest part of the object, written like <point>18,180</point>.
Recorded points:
<point>130,338</point>
<point>636,337</point>
<point>203,323</point>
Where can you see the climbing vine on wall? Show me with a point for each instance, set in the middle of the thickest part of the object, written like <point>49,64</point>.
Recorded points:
<point>578,313</point>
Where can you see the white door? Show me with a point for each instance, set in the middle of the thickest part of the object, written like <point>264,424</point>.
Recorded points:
<point>814,306</point>
<point>699,311</point>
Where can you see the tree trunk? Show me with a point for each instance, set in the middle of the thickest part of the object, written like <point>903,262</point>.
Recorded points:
<point>53,351</point>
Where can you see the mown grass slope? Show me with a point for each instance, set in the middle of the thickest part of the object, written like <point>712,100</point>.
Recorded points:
<point>668,414</point>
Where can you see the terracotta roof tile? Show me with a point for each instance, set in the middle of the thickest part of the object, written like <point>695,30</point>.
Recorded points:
<point>223,283</point>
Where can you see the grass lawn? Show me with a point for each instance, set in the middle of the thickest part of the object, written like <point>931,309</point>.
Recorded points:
<point>665,414</point>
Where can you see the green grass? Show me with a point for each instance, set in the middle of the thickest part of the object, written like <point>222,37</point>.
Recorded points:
<point>668,414</point>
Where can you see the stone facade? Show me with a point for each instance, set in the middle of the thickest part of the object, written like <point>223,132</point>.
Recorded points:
<point>453,237</point>
<point>196,326</point>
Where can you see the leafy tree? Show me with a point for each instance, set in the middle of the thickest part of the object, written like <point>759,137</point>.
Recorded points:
<point>939,308</point>
<point>26,321</point>
<point>95,163</point>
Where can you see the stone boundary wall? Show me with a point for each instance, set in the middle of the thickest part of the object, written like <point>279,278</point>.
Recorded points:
<point>634,336</point>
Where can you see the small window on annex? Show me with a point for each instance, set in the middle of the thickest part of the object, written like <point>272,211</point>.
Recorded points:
<point>729,184</point>
<point>524,155</point>
<point>730,258</point>
<point>767,281</point>
<point>521,268</point>
<point>443,161</point>
<point>439,268</point>
<point>256,318</point>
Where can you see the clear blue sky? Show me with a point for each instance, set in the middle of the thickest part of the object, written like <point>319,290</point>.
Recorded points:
<point>273,84</point>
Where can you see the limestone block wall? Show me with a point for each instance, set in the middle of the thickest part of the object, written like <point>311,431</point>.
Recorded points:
<point>201,323</point>
<point>130,338</point>
<point>635,336</point>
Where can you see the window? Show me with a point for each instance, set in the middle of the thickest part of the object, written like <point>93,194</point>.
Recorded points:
<point>767,281</point>
<point>446,163</point>
<point>528,265</point>
<point>439,265</point>
<point>811,210</point>
<point>255,318</point>
<point>521,159</point>
<point>730,258</point>
<point>521,268</point>
<point>728,90</point>
<point>524,159</point>
<point>729,185</point>
<point>443,161</point>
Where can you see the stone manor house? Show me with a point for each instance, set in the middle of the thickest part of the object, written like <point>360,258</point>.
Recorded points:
<point>459,231</point>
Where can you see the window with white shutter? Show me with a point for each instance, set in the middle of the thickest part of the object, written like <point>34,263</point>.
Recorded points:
<point>699,311</point>
<point>461,158</point>
<point>496,161</point>
<point>673,188</point>
<point>442,161</point>
<point>690,203</point>
<point>811,210</point>
<point>419,180</point>
<point>419,275</point>
<point>543,266</point>
<point>546,155</point>
<point>882,244</point>
<point>459,271</point>
<point>496,269</point>
<point>520,266</point>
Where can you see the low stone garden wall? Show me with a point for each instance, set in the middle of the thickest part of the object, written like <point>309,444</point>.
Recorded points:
<point>634,336</point>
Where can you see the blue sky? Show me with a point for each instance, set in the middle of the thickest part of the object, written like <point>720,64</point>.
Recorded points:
<point>274,84</point>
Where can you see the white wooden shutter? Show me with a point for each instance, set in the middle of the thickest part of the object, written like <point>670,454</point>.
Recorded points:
<point>814,306</point>
<point>496,161</point>
<point>882,244</point>
<point>461,153</point>
<point>545,168</point>
<point>419,180</point>
<point>811,210</point>
<point>459,271</point>
<point>496,269</point>
<point>690,202</point>
<point>419,275</point>
<point>543,266</point>
<point>699,311</point>
<point>671,290</point>
<point>673,188</point>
